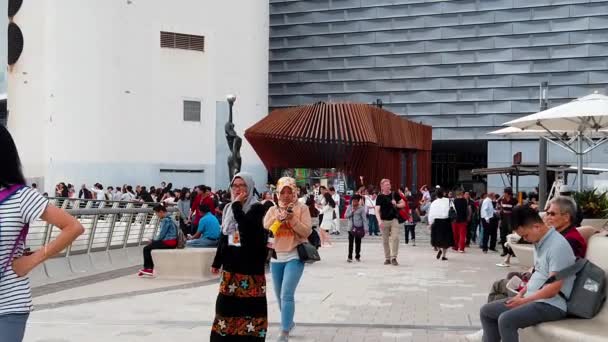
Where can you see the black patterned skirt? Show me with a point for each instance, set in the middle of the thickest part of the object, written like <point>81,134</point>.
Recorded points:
<point>241,311</point>
<point>441,233</point>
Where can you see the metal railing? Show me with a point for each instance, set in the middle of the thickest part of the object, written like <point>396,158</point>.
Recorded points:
<point>108,225</point>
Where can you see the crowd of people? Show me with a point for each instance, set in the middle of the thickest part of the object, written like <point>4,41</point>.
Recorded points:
<point>284,222</point>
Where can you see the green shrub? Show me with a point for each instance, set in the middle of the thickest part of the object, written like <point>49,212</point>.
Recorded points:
<point>593,203</point>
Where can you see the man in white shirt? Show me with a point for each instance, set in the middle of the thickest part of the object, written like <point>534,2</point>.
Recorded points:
<point>98,191</point>
<point>117,195</point>
<point>370,203</point>
<point>489,222</point>
<point>336,197</point>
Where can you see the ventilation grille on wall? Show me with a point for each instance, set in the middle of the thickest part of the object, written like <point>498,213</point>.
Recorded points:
<point>182,41</point>
<point>192,111</point>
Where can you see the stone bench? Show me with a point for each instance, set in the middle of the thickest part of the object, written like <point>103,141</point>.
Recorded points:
<point>524,254</point>
<point>587,330</point>
<point>184,264</point>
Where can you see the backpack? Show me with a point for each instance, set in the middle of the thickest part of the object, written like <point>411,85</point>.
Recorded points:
<point>180,236</point>
<point>5,195</point>
<point>397,211</point>
<point>589,289</point>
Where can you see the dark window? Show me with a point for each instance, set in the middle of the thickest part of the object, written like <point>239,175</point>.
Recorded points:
<point>192,111</point>
<point>182,41</point>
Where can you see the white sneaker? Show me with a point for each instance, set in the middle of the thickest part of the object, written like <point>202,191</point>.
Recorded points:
<point>475,337</point>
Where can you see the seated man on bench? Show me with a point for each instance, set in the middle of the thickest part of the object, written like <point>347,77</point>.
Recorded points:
<point>536,302</point>
<point>208,232</point>
<point>561,215</point>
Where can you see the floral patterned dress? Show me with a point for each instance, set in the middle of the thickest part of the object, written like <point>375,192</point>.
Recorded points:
<point>241,311</point>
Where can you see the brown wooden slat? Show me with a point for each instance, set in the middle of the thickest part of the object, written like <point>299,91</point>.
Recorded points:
<point>361,139</point>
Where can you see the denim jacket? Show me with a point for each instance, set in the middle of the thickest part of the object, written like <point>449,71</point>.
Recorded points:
<point>168,230</point>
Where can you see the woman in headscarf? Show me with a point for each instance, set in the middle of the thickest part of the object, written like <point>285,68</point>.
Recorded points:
<point>291,225</point>
<point>241,312</point>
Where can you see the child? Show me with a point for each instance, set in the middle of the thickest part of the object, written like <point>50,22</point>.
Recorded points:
<point>166,239</point>
<point>356,214</point>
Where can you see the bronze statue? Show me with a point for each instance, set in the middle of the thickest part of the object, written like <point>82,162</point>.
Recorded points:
<point>234,142</point>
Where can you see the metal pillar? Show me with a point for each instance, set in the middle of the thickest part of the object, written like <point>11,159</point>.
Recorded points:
<point>579,162</point>
<point>542,152</point>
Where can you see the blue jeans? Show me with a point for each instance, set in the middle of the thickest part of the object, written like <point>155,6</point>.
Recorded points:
<point>202,243</point>
<point>285,278</point>
<point>12,327</point>
<point>373,224</point>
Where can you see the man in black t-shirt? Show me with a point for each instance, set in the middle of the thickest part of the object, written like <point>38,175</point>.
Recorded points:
<point>387,206</point>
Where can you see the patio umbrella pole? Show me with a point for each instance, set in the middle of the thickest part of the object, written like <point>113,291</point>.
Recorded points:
<point>579,154</point>
<point>542,149</point>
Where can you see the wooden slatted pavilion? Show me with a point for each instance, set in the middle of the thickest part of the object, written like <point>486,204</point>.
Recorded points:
<point>360,139</point>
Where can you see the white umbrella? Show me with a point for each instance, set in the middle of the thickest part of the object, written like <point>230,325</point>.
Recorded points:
<point>586,118</point>
<point>515,131</point>
<point>588,113</point>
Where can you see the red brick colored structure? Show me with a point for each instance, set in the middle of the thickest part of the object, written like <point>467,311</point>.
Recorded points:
<point>361,139</point>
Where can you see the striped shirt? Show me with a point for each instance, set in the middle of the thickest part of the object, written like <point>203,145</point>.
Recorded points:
<point>25,206</point>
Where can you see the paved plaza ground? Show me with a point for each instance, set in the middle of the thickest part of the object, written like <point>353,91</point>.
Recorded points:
<point>423,299</point>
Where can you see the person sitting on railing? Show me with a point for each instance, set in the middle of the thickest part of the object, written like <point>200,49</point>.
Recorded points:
<point>84,193</point>
<point>169,198</point>
<point>117,194</point>
<point>128,195</point>
<point>166,239</point>
<point>208,232</point>
<point>144,195</point>
<point>97,189</point>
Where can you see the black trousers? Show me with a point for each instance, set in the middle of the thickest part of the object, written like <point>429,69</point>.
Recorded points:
<point>148,263</point>
<point>489,233</point>
<point>505,229</point>
<point>186,228</point>
<point>357,240</point>
<point>410,229</point>
<point>471,232</point>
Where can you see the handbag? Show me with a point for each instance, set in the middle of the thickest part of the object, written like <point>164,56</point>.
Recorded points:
<point>308,253</point>
<point>314,238</point>
<point>357,231</point>
<point>452,214</point>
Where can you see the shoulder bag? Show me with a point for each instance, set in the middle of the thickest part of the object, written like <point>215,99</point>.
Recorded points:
<point>308,253</point>
<point>357,231</point>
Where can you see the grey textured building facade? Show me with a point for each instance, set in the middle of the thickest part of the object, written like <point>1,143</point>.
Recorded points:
<point>463,66</point>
